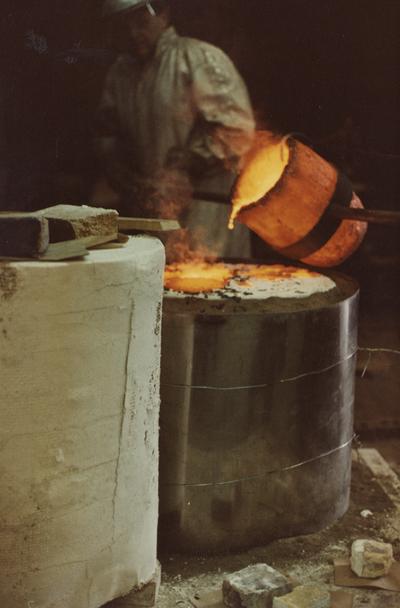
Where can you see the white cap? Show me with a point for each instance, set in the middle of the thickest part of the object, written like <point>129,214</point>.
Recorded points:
<point>111,7</point>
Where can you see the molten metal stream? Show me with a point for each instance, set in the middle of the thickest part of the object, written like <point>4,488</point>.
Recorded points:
<point>263,168</point>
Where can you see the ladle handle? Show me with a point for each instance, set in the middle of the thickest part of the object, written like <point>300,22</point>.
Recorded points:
<point>372,216</point>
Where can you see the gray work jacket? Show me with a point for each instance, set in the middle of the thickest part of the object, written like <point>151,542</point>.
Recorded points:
<point>188,100</point>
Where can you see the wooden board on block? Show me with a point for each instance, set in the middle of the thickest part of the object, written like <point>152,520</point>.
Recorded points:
<point>45,234</point>
<point>55,233</point>
<point>383,473</point>
<point>117,243</point>
<point>139,224</point>
<point>66,250</point>
<point>90,221</point>
<point>75,248</point>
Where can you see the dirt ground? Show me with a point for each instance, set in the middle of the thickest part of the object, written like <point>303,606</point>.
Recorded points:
<point>306,559</point>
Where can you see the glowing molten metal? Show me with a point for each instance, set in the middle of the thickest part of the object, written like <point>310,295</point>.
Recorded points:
<point>244,280</point>
<point>265,164</point>
<point>284,193</point>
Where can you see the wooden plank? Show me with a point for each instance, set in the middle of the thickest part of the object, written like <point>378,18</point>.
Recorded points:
<point>141,224</point>
<point>345,577</point>
<point>65,250</point>
<point>383,473</point>
<point>341,599</point>
<point>75,248</point>
<point>117,243</point>
<point>86,221</point>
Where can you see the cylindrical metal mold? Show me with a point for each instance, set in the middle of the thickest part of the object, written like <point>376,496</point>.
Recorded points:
<point>256,417</point>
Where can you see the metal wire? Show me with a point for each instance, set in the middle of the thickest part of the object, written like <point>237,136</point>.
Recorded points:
<point>370,351</point>
<point>273,472</point>
<point>393,351</point>
<point>257,386</point>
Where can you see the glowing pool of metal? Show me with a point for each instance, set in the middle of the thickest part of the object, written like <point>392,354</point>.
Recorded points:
<point>246,281</point>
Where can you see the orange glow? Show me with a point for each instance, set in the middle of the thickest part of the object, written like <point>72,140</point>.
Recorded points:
<point>263,168</point>
<point>197,277</point>
<point>283,193</point>
<point>200,277</point>
<point>273,272</point>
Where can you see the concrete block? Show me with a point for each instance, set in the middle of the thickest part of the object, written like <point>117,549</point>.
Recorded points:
<point>254,587</point>
<point>305,596</point>
<point>370,558</point>
<point>143,597</point>
<point>93,380</point>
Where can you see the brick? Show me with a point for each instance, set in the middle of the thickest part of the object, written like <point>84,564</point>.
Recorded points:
<point>305,596</point>
<point>370,558</point>
<point>254,587</point>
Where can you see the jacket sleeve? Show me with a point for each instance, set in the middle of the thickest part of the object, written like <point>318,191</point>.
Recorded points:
<point>224,127</point>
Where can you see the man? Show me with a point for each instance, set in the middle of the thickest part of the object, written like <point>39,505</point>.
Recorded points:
<point>173,108</point>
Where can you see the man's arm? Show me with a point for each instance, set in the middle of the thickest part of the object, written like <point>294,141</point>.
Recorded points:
<point>224,129</point>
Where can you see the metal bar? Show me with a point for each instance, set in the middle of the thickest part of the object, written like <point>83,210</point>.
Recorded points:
<point>372,216</point>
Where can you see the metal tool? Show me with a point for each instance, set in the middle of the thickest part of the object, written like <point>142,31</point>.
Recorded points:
<point>372,216</point>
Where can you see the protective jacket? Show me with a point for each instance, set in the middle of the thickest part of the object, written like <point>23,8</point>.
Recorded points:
<point>189,106</point>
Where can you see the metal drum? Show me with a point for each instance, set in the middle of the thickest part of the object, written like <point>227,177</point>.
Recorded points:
<point>256,417</point>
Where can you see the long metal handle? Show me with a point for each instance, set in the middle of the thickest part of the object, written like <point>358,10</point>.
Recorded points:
<point>372,216</point>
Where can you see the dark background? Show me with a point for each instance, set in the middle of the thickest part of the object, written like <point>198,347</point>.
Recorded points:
<point>325,68</point>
